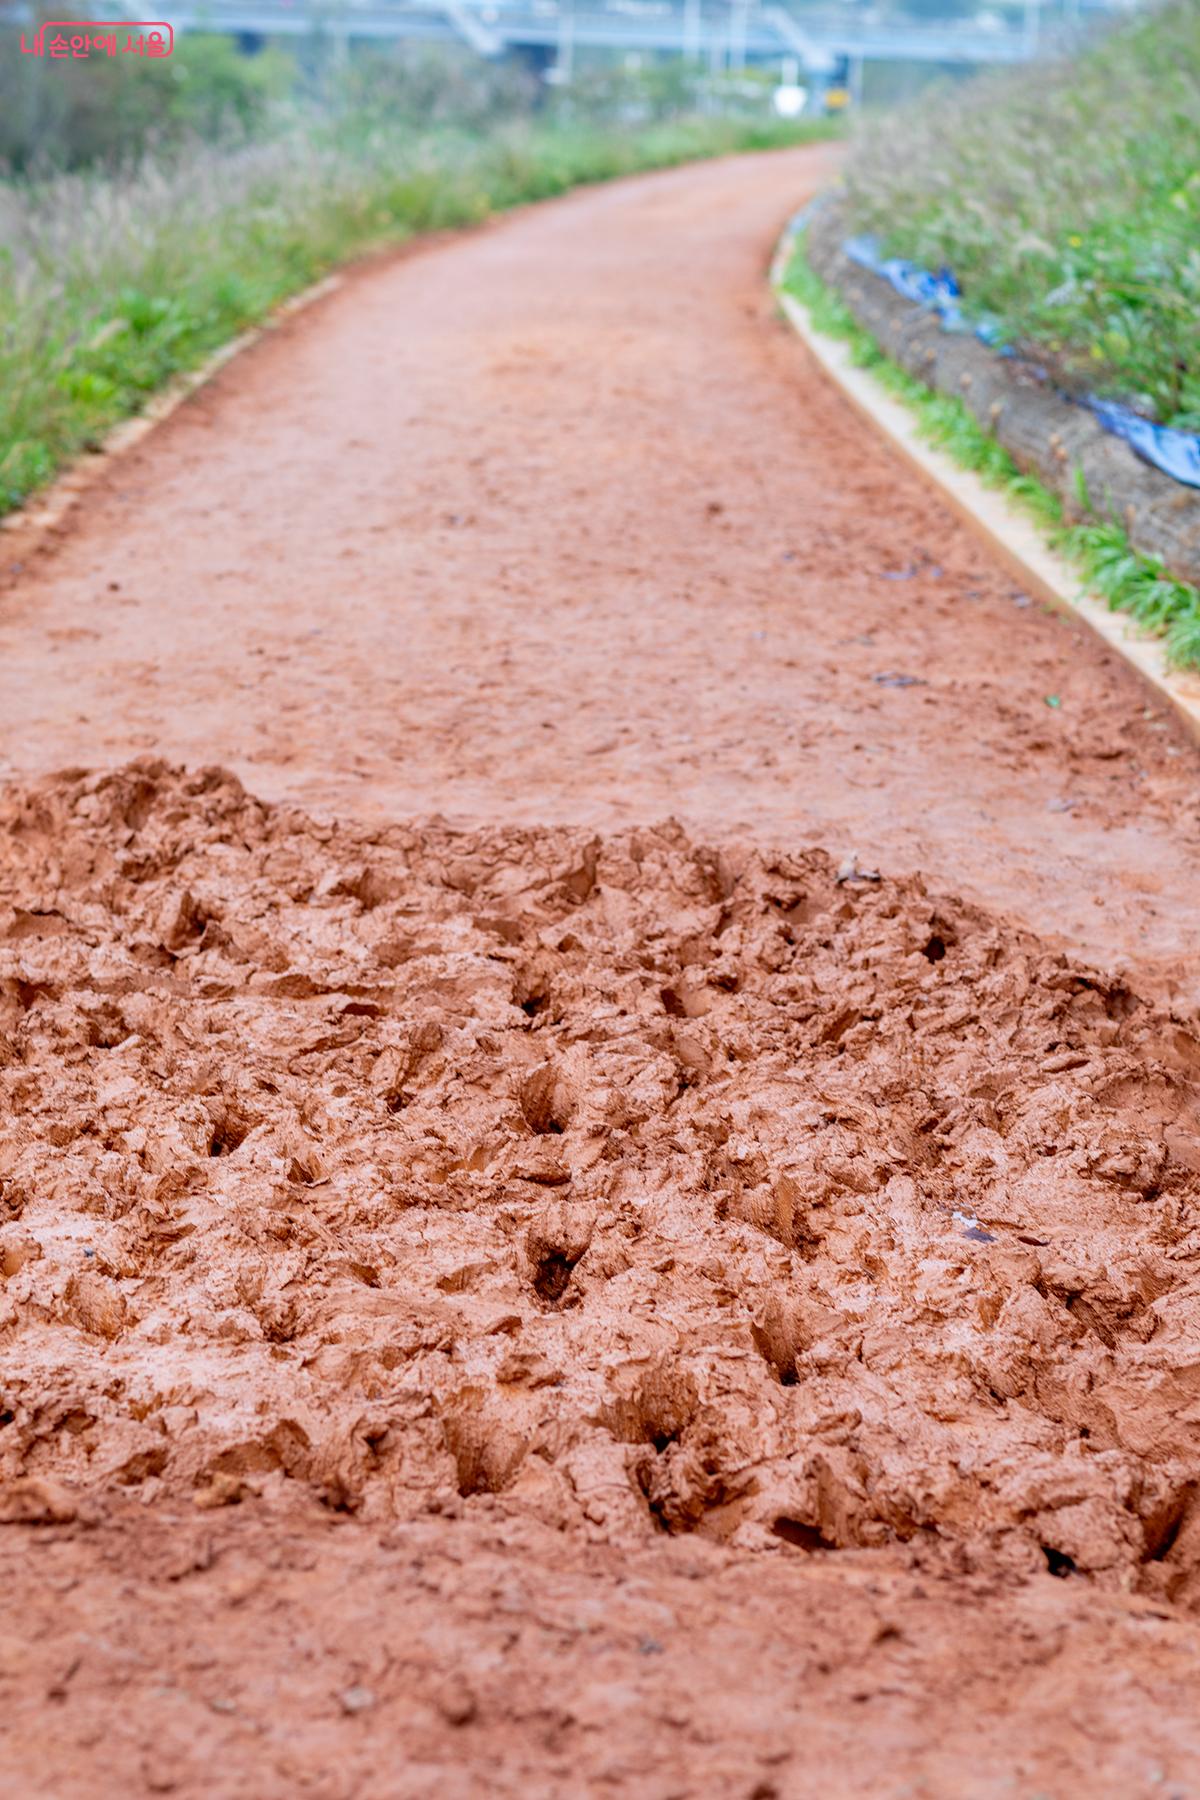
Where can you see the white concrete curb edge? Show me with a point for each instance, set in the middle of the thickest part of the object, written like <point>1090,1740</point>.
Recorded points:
<point>1009,532</point>
<point>49,507</point>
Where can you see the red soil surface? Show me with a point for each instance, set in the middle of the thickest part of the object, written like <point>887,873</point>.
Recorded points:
<point>505,1290</point>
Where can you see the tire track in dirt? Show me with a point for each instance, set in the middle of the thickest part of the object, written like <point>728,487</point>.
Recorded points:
<point>545,1300</point>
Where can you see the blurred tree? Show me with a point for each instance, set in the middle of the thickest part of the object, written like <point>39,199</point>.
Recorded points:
<point>634,92</point>
<point>66,113</point>
<point>427,84</point>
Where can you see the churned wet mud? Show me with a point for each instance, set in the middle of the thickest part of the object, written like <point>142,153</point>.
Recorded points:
<point>599,1082</point>
<point>614,1186</point>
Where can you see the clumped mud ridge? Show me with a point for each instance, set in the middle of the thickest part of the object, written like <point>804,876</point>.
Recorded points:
<point>616,1182</point>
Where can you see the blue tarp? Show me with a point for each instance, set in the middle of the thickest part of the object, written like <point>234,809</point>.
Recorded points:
<point>1176,453</point>
<point>938,293</point>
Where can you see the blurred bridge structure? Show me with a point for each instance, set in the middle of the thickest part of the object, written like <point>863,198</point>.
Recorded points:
<point>718,32</point>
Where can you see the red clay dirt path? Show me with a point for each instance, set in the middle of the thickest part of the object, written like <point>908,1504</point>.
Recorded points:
<point>519,1273</point>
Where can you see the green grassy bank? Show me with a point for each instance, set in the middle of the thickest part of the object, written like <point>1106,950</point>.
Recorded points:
<point>1067,201</point>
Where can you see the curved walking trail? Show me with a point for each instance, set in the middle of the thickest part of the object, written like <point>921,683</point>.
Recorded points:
<point>599,1079</point>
